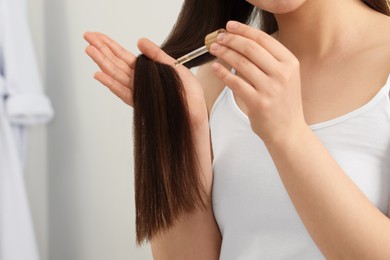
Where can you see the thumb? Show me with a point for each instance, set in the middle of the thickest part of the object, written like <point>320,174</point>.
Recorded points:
<point>154,52</point>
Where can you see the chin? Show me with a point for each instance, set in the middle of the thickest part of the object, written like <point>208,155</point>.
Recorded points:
<point>277,6</point>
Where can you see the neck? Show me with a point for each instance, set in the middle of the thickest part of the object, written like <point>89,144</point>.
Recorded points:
<point>319,28</point>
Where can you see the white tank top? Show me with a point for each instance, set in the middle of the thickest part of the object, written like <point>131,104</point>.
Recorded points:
<point>256,218</point>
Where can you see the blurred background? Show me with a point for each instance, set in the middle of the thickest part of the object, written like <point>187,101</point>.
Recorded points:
<point>78,173</point>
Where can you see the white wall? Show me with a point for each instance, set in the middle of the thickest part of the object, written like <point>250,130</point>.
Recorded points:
<point>36,164</point>
<point>88,185</point>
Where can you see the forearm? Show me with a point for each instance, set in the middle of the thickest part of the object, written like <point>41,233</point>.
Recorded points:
<point>340,219</point>
<point>195,235</point>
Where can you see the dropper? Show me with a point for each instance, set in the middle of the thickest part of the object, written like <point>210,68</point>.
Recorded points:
<point>210,39</point>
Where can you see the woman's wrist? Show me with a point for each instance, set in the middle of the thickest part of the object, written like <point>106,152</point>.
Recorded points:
<point>294,136</point>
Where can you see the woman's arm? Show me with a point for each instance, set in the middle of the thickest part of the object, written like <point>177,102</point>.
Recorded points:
<point>340,219</point>
<point>196,235</point>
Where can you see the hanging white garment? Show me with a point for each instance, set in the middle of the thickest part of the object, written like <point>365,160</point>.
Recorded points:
<point>22,103</point>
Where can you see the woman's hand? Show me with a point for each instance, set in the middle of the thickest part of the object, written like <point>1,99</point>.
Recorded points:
<point>117,71</point>
<point>270,87</point>
<point>115,62</point>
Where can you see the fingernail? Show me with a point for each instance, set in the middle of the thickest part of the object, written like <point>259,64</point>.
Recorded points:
<point>221,36</point>
<point>214,46</point>
<point>232,25</point>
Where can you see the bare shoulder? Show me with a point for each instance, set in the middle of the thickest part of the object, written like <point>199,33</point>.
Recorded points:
<point>212,86</point>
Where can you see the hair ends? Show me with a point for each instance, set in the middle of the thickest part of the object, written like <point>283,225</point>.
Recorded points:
<point>167,177</point>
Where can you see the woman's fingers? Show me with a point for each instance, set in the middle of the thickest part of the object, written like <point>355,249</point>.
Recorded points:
<point>106,65</point>
<point>274,47</point>
<point>115,63</point>
<point>121,91</point>
<point>259,56</point>
<point>119,51</point>
<point>242,64</point>
<point>239,86</point>
<point>124,60</point>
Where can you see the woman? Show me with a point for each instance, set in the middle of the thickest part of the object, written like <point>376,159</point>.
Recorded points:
<point>300,137</point>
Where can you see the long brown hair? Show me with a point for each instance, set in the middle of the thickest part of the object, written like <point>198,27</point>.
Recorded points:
<point>167,182</point>
<point>167,178</point>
